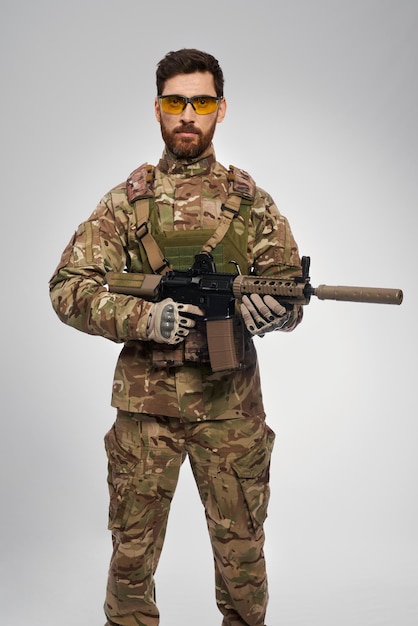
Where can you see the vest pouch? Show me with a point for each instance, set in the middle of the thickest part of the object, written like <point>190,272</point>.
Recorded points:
<point>165,355</point>
<point>181,246</point>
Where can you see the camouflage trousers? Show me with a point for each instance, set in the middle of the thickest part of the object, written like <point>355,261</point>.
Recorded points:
<point>230,460</point>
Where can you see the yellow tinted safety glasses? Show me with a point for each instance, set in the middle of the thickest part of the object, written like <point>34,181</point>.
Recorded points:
<point>175,104</point>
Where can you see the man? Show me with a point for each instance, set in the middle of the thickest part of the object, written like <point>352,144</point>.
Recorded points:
<point>170,403</point>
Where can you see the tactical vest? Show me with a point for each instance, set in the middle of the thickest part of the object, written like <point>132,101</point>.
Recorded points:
<point>152,250</point>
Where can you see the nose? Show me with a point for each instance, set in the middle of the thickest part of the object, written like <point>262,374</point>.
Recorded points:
<point>188,114</point>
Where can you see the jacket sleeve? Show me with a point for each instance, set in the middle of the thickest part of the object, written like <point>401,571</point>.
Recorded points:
<point>77,288</point>
<point>274,249</point>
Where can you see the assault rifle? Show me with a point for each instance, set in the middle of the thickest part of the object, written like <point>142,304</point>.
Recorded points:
<point>216,292</point>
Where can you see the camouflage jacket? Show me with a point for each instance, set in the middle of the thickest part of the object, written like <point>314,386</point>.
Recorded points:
<point>188,196</point>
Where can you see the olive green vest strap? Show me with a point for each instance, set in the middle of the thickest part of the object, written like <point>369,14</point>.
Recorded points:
<point>158,263</point>
<point>139,187</point>
<point>229,210</point>
<point>241,189</point>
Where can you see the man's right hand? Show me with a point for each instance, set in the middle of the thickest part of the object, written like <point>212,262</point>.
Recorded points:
<point>168,321</point>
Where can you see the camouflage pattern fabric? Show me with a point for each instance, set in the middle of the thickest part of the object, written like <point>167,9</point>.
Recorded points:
<point>217,419</point>
<point>188,196</point>
<point>230,462</point>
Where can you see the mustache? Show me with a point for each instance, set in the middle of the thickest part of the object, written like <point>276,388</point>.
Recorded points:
<point>187,128</point>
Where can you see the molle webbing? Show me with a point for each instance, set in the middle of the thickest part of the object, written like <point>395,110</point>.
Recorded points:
<point>163,250</point>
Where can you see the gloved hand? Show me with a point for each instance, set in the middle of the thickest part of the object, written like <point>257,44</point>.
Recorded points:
<point>168,321</point>
<point>262,314</point>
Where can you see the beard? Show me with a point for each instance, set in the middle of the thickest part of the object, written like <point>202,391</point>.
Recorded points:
<point>187,147</point>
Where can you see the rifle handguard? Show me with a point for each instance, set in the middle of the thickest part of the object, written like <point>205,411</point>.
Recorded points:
<point>299,292</point>
<point>277,287</point>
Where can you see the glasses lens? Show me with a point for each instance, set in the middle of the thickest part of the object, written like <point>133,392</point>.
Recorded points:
<point>205,104</point>
<point>173,104</point>
<point>201,104</point>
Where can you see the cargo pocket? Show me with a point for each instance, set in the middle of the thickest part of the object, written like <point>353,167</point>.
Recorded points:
<point>121,473</point>
<point>253,473</point>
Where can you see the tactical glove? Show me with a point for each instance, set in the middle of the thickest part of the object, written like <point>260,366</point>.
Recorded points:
<point>168,321</point>
<point>262,314</point>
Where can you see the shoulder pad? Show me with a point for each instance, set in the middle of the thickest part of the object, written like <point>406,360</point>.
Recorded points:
<point>241,183</point>
<point>139,184</point>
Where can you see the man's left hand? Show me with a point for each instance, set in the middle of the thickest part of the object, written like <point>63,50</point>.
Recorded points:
<point>262,314</point>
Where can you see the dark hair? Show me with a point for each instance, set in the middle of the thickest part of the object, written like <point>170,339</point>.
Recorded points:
<point>187,61</point>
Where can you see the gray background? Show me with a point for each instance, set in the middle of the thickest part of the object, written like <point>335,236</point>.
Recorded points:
<point>323,113</point>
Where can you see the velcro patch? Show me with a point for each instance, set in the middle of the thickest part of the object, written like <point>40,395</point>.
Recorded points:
<point>241,183</point>
<point>140,183</point>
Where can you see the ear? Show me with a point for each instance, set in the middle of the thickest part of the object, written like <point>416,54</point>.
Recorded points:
<point>157,110</point>
<point>221,111</point>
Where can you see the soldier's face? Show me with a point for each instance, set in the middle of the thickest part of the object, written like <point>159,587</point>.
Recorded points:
<point>188,134</point>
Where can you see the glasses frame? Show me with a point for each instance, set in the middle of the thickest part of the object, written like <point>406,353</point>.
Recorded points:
<point>191,101</point>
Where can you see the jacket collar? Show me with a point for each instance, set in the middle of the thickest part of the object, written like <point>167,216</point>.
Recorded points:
<point>169,164</point>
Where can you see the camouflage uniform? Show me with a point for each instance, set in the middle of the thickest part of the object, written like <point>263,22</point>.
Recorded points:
<point>165,414</point>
